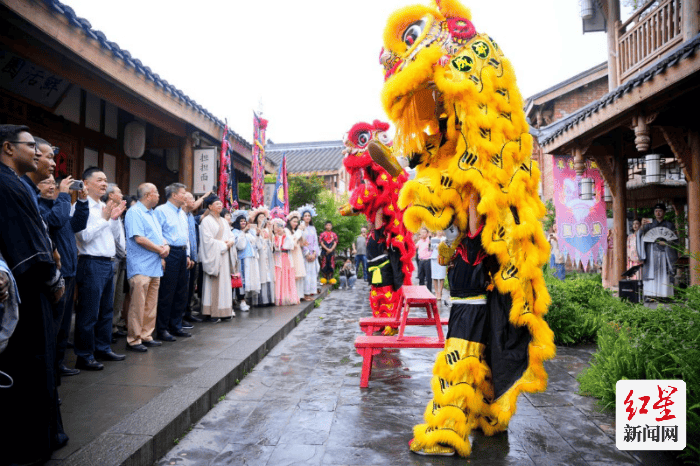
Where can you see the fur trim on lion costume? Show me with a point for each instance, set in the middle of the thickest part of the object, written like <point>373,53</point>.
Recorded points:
<point>460,122</point>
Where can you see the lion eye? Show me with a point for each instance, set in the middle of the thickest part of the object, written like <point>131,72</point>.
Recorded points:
<point>413,32</point>
<point>363,138</point>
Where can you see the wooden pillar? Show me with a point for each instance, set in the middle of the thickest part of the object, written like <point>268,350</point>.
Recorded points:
<point>693,175</point>
<point>619,208</point>
<point>187,162</point>
<point>612,24</point>
<point>689,15</point>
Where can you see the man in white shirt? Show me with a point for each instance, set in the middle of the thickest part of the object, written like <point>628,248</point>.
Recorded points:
<point>96,248</point>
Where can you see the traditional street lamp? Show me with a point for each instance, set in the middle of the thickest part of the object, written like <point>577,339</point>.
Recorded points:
<point>607,195</point>
<point>653,168</point>
<point>587,186</point>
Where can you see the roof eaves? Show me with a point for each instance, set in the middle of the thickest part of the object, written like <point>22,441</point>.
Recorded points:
<point>128,61</point>
<point>683,51</point>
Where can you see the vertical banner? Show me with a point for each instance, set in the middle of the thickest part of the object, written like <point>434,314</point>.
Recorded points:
<point>582,226</point>
<point>224,167</point>
<point>257,186</point>
<point>280,197</point>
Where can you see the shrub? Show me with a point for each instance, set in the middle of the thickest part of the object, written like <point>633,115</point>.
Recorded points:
<point>642,343</point>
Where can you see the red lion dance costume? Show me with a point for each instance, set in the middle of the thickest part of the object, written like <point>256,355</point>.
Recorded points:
<point>375,193</point>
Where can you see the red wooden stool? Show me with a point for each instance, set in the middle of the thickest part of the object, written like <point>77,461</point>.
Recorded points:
<point>411,297</point>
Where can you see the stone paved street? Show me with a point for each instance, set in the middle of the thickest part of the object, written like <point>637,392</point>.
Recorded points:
<point>302,405</point>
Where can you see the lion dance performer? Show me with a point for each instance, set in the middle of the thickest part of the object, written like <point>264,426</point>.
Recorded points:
<point>460,122</point>
<point>375,194</point>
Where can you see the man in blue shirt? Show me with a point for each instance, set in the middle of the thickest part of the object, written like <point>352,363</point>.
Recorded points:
<point>56,212</point>
<point>172,295</point>
<point>146,250</point>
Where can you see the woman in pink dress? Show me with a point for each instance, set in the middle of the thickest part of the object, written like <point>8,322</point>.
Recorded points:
<point>632,251</point>
<point>285,276</point>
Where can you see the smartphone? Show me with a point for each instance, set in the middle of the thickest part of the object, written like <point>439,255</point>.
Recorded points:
<point>77,185</point>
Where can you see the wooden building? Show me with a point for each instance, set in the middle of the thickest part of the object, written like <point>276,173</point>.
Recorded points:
<point>320,158</point>
<point>654,87</point>
<point>98,104</point>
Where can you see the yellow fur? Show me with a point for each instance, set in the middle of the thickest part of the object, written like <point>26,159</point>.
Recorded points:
<point>487,148</point>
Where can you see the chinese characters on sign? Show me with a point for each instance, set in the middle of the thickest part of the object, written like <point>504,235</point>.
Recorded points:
<point>204,169</point>
<point>650,415</point>
<point>29,80</point>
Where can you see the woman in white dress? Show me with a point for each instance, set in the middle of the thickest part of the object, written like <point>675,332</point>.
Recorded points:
<point>217,253</point>
<point>437,271</point>
<point>258,218</point>
<point>247,244</point>
<point>295,230</point>
<point>311,251</point>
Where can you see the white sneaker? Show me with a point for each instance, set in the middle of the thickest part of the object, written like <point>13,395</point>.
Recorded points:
<point>233,313</point>
<point>244,307</point>
<point>352,287</point>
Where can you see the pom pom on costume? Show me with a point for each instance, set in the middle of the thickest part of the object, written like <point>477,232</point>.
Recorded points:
<point>460,122</point>
<point>390,247</point>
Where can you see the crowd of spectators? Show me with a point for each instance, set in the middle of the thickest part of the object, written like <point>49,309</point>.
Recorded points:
<point>79,251</point>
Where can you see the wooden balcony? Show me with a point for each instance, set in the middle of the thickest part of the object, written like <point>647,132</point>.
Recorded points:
<point>652,30</point>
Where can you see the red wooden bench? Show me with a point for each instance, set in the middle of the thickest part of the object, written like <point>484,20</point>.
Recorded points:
<point>369,325</point>
<point>368,346</point>
<point>411,297</point>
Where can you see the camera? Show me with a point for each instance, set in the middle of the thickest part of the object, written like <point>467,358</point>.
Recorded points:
<point>77,185</point>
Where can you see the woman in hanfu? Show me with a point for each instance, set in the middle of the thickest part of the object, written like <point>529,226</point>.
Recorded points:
<point>633,250</point>
<point>285,279</point>
<point>295,230</point>
<point>259,217</point>
<point>246,243</point>
<point>311,252</point>
<point>329,241</point>
<point>218,255</point>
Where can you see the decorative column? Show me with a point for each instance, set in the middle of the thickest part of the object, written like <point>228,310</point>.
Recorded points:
<point>689,18</point>
<point>619,208</point>
<point>693,175</point>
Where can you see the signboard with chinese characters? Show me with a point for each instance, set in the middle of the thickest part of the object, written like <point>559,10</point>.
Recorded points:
<point>204,170</point>
<point>650,414</point>
<point>28,80</point>
<point>581,224</point>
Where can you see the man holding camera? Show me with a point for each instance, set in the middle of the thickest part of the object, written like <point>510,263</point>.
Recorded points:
<point>62,225</point>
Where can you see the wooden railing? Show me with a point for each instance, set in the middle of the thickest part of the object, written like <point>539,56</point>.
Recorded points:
<point>647,34</point>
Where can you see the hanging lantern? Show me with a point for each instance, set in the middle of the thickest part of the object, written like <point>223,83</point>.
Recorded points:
<point>134,140</point>
<point>172,159</point>
<point>653,168</point>
<point>587,186</point>
<point>607,195</point>
<point>587,10</point>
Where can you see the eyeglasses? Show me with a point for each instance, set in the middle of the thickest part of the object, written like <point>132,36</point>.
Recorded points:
<point>30,144</point>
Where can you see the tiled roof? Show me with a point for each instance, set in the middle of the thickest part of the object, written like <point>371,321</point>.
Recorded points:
<point>683,51</point>
<point>130,62</point>
<point>565,83</point>
<point>308,157</point>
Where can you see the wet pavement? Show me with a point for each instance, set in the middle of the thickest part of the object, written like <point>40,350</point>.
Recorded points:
<point>130,412</point>
<point>302,405</point>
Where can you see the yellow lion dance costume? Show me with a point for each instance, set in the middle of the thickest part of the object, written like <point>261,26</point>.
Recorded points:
<point>460,122</point>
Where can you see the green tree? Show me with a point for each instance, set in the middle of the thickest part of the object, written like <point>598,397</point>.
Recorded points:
<point>551,216</point>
